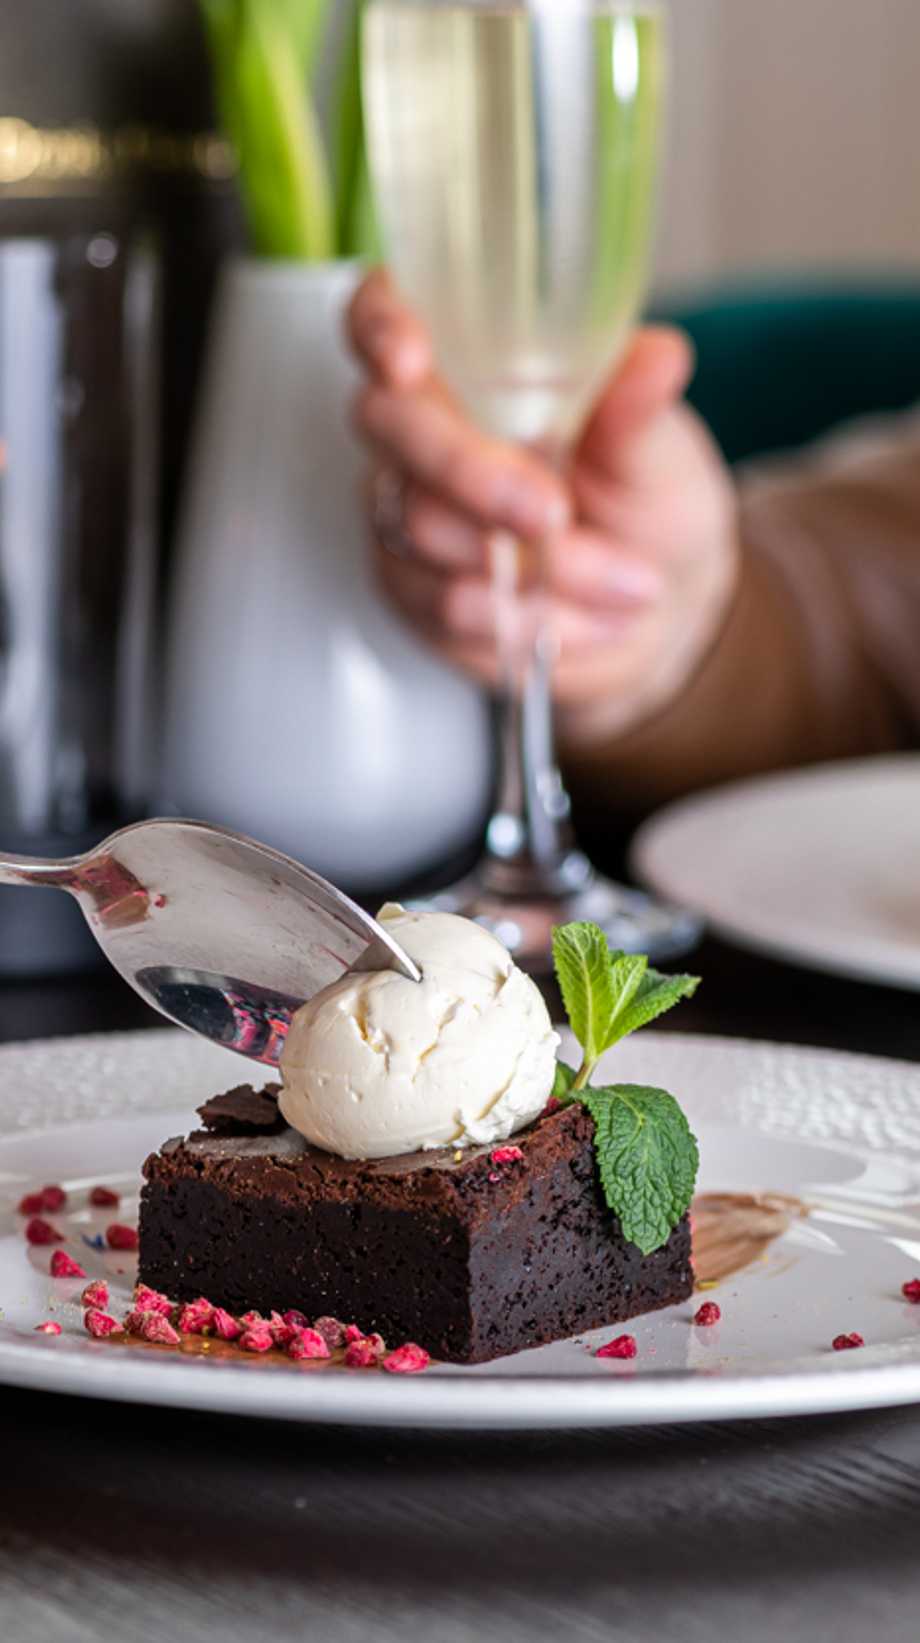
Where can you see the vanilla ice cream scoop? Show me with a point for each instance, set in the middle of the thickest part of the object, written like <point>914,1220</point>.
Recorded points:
<point>377,1065</point>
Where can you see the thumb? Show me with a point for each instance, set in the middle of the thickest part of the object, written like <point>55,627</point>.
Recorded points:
<point>626,438</point>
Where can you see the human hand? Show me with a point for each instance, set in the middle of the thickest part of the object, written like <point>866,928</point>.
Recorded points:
<point>637,543</point>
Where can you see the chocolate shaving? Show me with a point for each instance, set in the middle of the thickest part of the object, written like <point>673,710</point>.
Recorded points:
<point>243,1111</point>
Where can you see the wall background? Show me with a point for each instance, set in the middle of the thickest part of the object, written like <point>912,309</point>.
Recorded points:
<point>795,138</point>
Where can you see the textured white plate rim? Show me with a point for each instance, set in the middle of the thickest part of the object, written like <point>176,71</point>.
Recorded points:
<point>655,860</point>
<point>459,1399</point>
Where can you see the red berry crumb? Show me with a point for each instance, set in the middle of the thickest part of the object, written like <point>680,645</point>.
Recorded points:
<point>104,1198</point>
<point>64,1266</point>
<point>506,1155</point>
<point>307,1343</point>
<point>297,1320</point>
<point>196,1318</point>
<point>406,1360</point>
<point>252,1320</point>
<point>352,1333</point>
<point>152,1326</point>
<point>707,1315</point>
<point>100,1324</point>
<point>53,1198</point>
<point>332,1331</point>
<point>31,1204</point>
<point>847,1343</point>
<point>150,1300</point>
<point>258,1338</point>
<point>622,1346</point>
<point>96,1294</point>
<point>911,1291</point>
<point>361,1355</point>
<point>282,1333</point>
<point>48,1328</point>
<point>118,1236</point>
<point>42,1232</point>
<point>225,1327</point>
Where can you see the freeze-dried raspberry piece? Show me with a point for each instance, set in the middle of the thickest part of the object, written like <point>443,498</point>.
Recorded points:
<point>100,1324</point>
<point>96,1294</point>
<point>42,1232</point>
<point>252,1320</point>
<point>296,1319</point>
<point>154,1327</point>
<point>361,1355</point>
<point>118,1236</point>
<point>258,1338</point>
<point>911,1291</point>
<point>622,1346</point>
<point>49,1327</point>
<point>53,1198</point>
<point>151,1300</point>
<point>282,1332</point>
<point>332,1331</point>
<point>225,1326</point>
<point>307,1343</point>
<point>64,1266</point>
<point>847,1343</point>
<point>707,1315</point>
<point>31,1204</point>
<point>104,1198</point>
<point>506,1155</point>
<point>352,1333</point>
<point>364,1350</point>
<point>196,1317</point>
<point>406,1360</point>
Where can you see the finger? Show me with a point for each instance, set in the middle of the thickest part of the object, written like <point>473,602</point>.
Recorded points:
<point>442,534</point>
<point>585,568</point>
<point>499,485</point>
<point>461,610</point>
<point>386,335</point>
<point>625,439</point>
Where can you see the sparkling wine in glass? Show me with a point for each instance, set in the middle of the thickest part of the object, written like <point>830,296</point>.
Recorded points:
<point>514,154</point>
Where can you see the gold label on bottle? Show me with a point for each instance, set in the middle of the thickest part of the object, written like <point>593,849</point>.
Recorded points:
<point>36,160</point>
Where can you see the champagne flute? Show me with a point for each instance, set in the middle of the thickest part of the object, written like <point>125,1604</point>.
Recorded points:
<point>513,148</point>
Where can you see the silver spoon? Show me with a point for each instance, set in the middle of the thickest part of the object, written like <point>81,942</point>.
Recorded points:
<point>222,935</point>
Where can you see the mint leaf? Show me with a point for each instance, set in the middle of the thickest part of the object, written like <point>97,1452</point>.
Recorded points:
<point>647,1159</point>
<point>654,995</point>
<point>582,959</point>
<point>563,1082</point>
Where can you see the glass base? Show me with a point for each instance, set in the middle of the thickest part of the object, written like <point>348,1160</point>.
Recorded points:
<point>632,921</point>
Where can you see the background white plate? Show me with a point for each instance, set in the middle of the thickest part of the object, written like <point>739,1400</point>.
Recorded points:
<point>820,866</point>
<point>841,1132</point>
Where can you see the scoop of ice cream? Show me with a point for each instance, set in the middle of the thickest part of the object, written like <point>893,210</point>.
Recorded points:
<point>377,1065</point>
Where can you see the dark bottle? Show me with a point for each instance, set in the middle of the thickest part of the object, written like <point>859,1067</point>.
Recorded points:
<point>116,203</point>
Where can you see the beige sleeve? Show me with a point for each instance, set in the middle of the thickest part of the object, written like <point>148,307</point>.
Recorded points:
<point>819,657</point>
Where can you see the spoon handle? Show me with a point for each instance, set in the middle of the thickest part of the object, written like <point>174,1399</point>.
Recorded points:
<point>38,870</point>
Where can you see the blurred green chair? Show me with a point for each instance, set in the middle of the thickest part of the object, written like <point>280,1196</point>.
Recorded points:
<point>779,364</point>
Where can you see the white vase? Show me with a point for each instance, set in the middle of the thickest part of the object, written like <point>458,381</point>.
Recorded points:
<point>298,707</point>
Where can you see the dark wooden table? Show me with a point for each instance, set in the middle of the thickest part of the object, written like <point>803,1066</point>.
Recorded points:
<point>136,1525</point>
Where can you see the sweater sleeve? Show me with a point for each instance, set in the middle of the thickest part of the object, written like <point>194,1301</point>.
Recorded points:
<point>819,656</point>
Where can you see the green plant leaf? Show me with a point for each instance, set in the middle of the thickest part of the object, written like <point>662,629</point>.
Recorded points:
<point>268,114</point>
<point>563,1083</point>
<point>654,995</point>
<point>582,960</point>
<point>647,1159</point>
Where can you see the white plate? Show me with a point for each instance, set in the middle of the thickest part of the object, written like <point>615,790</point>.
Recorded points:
<point>820,866</point>
<point>840,1132</point>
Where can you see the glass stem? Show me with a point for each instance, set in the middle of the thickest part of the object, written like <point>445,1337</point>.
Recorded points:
<point>530,847</point>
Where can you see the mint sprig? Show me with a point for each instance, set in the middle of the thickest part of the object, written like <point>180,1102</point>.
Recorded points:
<point>647,1157</point>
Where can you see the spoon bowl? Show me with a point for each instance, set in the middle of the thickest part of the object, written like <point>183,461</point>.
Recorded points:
<point>222,935</point>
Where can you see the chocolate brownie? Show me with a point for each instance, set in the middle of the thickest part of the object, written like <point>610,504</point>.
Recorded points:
<point>470,1256</point>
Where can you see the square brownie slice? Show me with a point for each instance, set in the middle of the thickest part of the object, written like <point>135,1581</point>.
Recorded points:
<point>471,1257</point>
